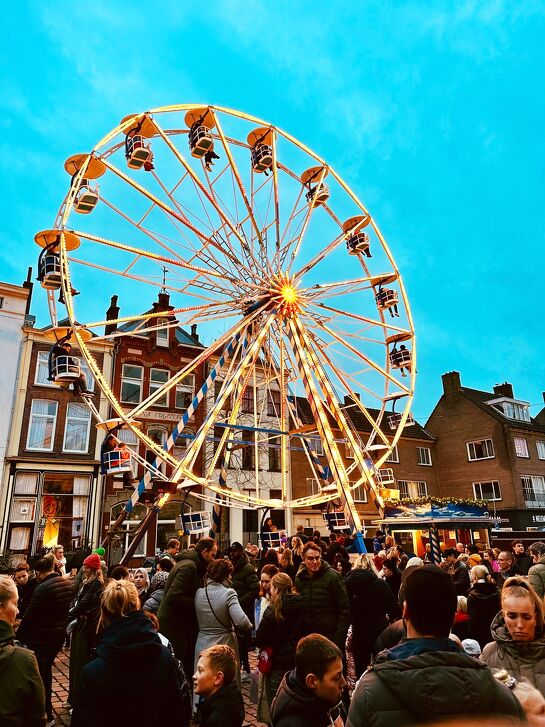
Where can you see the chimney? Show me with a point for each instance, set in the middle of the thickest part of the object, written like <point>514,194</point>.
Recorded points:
<point>504,389</point>
<point>111,314</point>
<point>194,334</point>
<point>28,285</point>
<point>451,382</point>
<point>164,301</point>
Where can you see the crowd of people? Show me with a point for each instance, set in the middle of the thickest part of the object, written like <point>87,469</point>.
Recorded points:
<point>341,638</point>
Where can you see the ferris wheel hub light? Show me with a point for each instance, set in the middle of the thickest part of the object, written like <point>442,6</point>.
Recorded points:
<point>289,293</point>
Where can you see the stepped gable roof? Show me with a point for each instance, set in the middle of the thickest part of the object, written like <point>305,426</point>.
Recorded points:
<point>481,397</point>
<point>414,431</point>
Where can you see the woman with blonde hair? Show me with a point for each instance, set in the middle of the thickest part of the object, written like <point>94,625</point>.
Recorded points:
<point>297,552</point>
<point>518,634</point>
<point>21,686</point>
<point>286,564</point>
<point>372,606</point>
<point>280,629</point>
<point>84,616</point>
<point>483,603</point>
<point>129,652</point>
<point>531,700</point>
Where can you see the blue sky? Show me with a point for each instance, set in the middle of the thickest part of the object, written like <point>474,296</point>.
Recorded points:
<point>443,104</point>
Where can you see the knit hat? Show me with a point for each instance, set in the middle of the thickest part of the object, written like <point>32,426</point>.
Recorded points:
<point>159,580</point>
<point>92,561</point>
<point>100,551</point>
<point>471,647</point>
<point>474,559</point>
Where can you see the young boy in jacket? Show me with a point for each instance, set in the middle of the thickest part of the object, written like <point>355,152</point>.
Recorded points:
<point>214,680</point>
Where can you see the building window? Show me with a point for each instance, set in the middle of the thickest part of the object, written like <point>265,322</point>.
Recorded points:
<point>127,530</point>
<point>218,386</point>
<point>41,430</point>
<point>313,488</point>
<point>359,493</point>
<point>516,411</point>
<point>161,335</point>
<point>410,488</point>
<point>76,428</point>
<point>393,456</point>
<point>273,403</point>
<point>540,446</point>
<point>521,447</point>
<point>424,456</point>
<point>64,510</point>
<point>180,446</point>
<point>533,488</point>
<point>274,454</point>
<point>487,490</point>
<point>480,449</point>
<point>185,391</point>
<point>131,384</point>
<point>315,445</point>
<point>248,400</point>
<point>157,379</point>
<point>247,450</point>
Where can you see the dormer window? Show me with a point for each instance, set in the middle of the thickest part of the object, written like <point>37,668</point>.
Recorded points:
<point>162,332</point>
<point>511,409</point>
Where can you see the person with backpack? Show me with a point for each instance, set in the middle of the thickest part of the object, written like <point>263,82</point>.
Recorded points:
<point>130,653</point>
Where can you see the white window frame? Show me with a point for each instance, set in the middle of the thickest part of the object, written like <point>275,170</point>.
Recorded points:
<point>540,449</point>
<point>313,486</point>
<point>131,380</point>
<point>535,483</point>
<point>42,365</point>
<point>393,457</point>
<point>155,385</point>
<point>359,493</point>
<point>478,490</point>
<point>521,447</point>
<point>183,388</point>
<point>161,334</point>
<point>316,445</point>
<point>424,453</point>
<point>489,447</point>
<point>43,416</point>
<point>86,419</point>
<point>414,488</point>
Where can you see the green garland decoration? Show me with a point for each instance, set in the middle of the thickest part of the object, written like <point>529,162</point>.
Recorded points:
<point>435,501</point>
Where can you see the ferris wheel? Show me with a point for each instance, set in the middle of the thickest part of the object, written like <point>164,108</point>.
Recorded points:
<point>296,294</point>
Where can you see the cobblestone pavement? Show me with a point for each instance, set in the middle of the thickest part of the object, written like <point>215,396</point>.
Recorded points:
<point>60,692</point>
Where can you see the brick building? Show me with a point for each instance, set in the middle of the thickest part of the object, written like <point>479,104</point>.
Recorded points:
<point>51,490</point>
<point>144,361</point>
<point>413,465</point>
<point>489,447</point>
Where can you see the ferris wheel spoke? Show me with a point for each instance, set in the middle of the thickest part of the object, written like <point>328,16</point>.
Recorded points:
<point>311,208</point>
<point>354,316</point>
<point>243,244</point>
<point>322,290</point>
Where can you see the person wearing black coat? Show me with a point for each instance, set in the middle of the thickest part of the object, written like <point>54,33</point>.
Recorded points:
<point>25,588</point>
<point>392,576</point>
<point>372,605</point>
<point>130,658</point>
<point>85,613</point>
<point>483,604</point>
<point>43,627</point>
<point>225,708</point>
<point>280,630</point>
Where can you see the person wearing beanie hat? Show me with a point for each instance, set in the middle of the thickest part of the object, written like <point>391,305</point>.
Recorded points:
<point>100,551</point>
<point>92,561</point>
<point>85,612</point>
<point>471,647</point>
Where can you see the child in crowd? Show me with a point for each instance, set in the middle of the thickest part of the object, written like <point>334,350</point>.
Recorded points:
<point>214,680</point>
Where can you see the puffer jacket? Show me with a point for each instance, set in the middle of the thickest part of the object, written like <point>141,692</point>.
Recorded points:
<point>325,602</point>
<point>22,700</point>
<point>519,658</point>
<point>483,604</point>
<point>536,576</point>
<point>246,584</point>
<point>282,636</point>
<point>46,617</point>
<point>153,602</point>
<point>297,706</point>
<point>427,680</point>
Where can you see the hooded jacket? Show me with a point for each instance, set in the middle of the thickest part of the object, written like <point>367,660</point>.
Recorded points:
<point>225,708</point>
<point>133,679</point>
<point>282,636</point>
<point>424,680</point>
<point>296,706</point>
<point>483,604</point>
<point>326,606</point>
<point>22,700</point>
<point>521,659</point>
